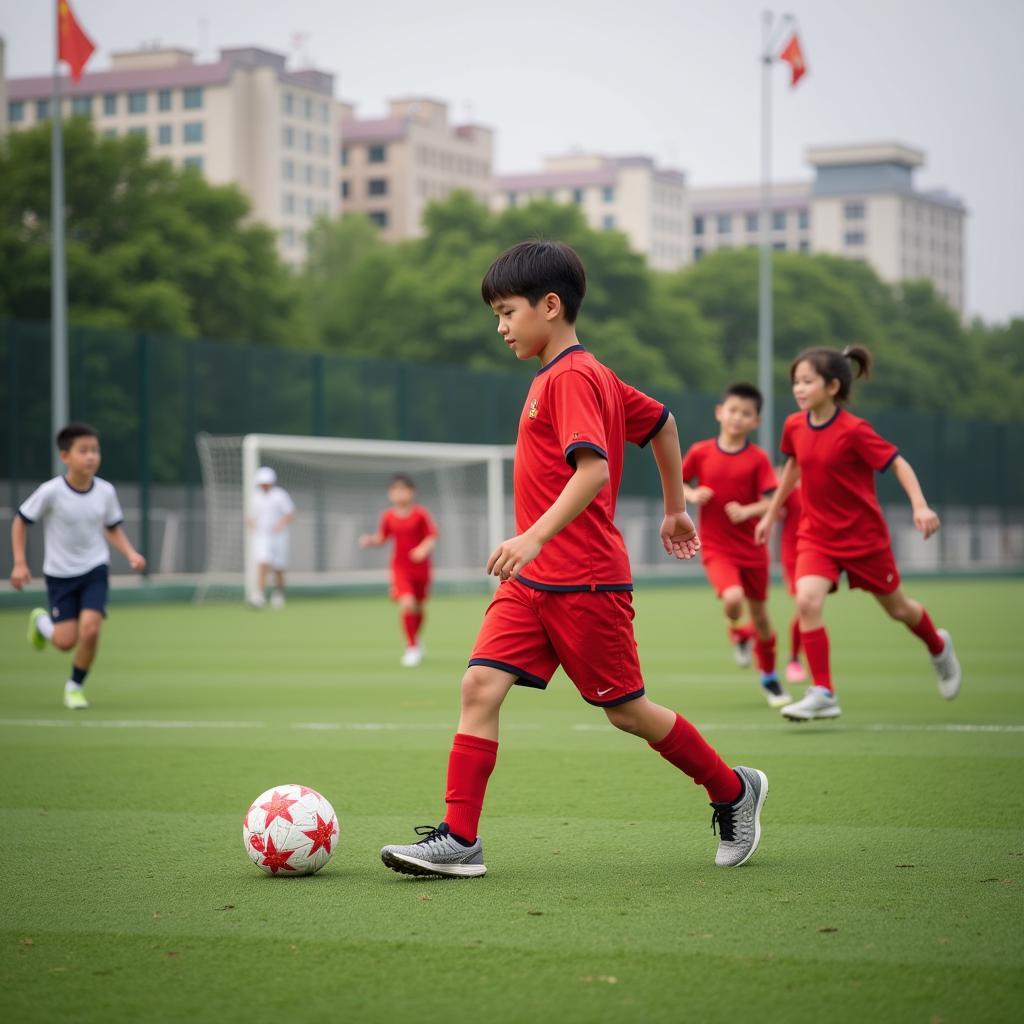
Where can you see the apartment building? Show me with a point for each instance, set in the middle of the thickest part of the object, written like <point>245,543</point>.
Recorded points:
<point>729,217</point>
<point>242,119</point>
<point>392,167</point>
<point>629,194</point>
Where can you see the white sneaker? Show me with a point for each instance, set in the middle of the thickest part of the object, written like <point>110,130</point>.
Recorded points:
<point>412,657</point>
<point>277,599</point>
<point>257,599</point>
<point>947,667</point>
<point>817,702</point>
<point>74,698</point>
<point>741,653</point>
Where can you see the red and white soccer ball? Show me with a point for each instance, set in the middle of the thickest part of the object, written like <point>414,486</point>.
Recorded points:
<point>290,830</point>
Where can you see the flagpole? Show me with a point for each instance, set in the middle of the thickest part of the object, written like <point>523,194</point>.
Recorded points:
<point>58,300</point>
<point>765,381</point>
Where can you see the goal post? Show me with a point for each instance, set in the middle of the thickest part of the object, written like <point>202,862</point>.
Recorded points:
<point>339,488</point>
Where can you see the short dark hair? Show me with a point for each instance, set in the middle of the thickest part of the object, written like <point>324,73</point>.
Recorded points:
<point>832,364</point>
<point>405,481</point>
<point>532,270</point>
<point>741,389</point>
<point>67,436</point>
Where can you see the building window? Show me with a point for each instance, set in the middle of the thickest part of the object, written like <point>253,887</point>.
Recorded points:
<point>288,136</point>
<point>289,236</point>
<point>110,133</point>
<point>110,103</point>
<point>193,131</point>
<point>324,145</point>
<point>307,173</point>
<point>779,220</point>
<point>803,220</point>
<point>805,246</point>
<point>193,98</point>
<point>324,178</point>
<point>163,99</point>
<point>345,188</point>
<point>379,217</point>
<point>608,221</point>
<point>289,202</point>
<point>698,253</point>
<point>163,135</point>
<point>307,109</point>
<point>608,193</point>
<point>854,238</point>
<point>698,225</point>
<point>137,131</point>
<point>137,102</point>
<point>513,199</point>
<point>752,221</point>
<point>194,163</point>
<point>309,206</point>
<point>81,105</point>
<point>287,103</point>
<point>724,223</point>
<point>377,187</point>
<point>16,111</point>
<point>377,155</point>
<point>853,211</point>
<point>288,170</point>
<point>779,246</point>
<point>308,141</point>
<point>344,156</point>
<point>42,110</point>
<point>577,196</point>
<point>323,112</point>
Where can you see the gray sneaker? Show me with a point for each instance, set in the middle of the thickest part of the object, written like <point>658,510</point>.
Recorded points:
<point>947,667</point>
<point>739,824</point>
<point>437,853</point>
<point>817,702</point>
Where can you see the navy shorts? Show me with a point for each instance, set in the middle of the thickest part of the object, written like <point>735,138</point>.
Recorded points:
<point>69,595</point>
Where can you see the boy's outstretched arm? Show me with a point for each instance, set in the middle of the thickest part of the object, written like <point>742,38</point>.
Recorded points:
<point>678,534</point>
<point>926,521</point>
<point>20,574</point>
<point>787,481</point>
<point>120,540</point>
<point>512,555</point>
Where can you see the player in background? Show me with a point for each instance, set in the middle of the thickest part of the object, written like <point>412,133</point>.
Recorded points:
<point>564,597</point>
<point>273,511</point>
<point>80,513</point>
<point>836,455</point>
<point>733,480</point>
<point>414,534</point>
<point>790,512</point>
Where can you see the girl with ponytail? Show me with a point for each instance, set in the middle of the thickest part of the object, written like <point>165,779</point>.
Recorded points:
<point>835,455</point>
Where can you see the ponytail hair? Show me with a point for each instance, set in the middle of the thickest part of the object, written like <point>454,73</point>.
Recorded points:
<point>847,366</point>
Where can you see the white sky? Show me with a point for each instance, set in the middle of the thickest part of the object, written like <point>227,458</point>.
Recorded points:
<point>677,79</point>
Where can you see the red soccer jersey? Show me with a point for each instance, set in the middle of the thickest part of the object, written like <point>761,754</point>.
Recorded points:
<point>793,506</point>
<point>838,461</point>
<point>745,476</point>
<point>407,532</point>
<point>575,402</point>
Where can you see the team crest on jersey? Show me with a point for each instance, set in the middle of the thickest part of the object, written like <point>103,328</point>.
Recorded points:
<point>533,409</point>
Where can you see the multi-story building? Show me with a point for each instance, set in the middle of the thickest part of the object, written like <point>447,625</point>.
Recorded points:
<point>629,194</point>
<point>243,119</point>
<point>862,204</point>
<point>392,167</point>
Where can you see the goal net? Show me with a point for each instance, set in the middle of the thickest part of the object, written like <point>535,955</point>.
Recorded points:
<point>339,487</point>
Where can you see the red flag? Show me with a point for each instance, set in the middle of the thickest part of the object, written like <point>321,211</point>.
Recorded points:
<point>74,47</point>
<point>794,57</point>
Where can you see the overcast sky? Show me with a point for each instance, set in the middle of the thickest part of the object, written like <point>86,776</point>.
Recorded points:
<point>676,79</point>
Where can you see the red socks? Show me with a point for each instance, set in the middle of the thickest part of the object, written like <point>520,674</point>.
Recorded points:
<point>795,642</point>
<point>685,748</point>
<point>411,622</point>
<point>737,634</point>
<point>925,629</point>
<point>765,651</point>
<point>816,648</point>
<point>469,767</point>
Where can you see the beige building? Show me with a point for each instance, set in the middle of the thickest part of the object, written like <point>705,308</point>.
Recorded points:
<point>628,194</point>
<point>392,167</point>
<point>861,204</point>
<point>242,119</point>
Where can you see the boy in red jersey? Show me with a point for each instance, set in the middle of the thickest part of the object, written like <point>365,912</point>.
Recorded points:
<point>836,455</point>
<point>734,479</point>
<point>415,535</point>
<point>564,597</point>
<point>791,511</point>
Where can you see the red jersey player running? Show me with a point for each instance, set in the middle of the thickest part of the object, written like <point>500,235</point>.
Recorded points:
<point>836,455</point>
<point>734,479</point>
<point>564,597</point>
<point>409,525</point>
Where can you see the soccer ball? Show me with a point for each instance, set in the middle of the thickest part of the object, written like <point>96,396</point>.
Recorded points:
<point>290,830</point>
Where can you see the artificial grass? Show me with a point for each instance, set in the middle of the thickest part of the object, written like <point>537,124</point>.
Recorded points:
<point>888,883</point>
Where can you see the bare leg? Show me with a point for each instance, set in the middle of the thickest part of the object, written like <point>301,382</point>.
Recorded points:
<point>811,592</point>
<point>759,617</point>
<point>483,692</point>
<point>900,607</point>
<point>90,622</point>
<point>65,634</point>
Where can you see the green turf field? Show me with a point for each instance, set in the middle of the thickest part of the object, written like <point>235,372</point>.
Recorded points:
<point>888,886</point>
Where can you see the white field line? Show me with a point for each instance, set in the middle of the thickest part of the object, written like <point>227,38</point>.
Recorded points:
<point>154,723</point>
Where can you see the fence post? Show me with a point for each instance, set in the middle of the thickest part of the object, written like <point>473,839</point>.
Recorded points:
<point>14,413</point>
<point>145,443</point>
<point>319,429</point>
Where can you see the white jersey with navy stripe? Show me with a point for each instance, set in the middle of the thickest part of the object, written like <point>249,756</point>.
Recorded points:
<point>73,524</point>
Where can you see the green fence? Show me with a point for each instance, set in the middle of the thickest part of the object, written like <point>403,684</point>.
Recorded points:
<point>149,395</point>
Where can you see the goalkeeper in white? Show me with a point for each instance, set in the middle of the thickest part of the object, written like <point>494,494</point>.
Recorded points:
<point>272,513</point>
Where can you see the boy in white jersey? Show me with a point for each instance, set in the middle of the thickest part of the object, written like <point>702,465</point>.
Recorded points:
<point>272,513</point>
<point>80,513</point>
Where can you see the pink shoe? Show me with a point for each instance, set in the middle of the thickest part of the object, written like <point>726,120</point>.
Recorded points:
<point>795,672</point>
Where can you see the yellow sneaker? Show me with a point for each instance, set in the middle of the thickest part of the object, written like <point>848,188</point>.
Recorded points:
<point>74,698</point>
<point>35,638</point>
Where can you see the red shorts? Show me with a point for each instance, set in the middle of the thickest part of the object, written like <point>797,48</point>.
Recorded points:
<point>723,573</point>
<point>875,573</point>
<point>405,584</point>
<point>589,633</point>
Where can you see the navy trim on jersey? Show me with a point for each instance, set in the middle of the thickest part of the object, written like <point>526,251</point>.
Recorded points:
<point>31,522</point>
<point>662,420</point>
<point>114,526</point>
<point>618,700</point>
<point>75,489</point>
<point>574,588</point>
<point>561,355</point>
<point>524,678</point>
<point>739,451</point>
<point>895,456</point>
<point>583,444</point>
<point>771,490</point>
<point>827,423</point>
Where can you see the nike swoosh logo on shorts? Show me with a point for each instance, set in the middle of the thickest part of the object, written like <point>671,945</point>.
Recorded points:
<point>601,693</point>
